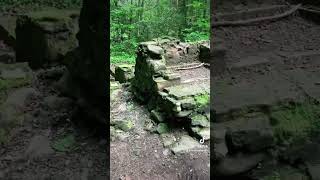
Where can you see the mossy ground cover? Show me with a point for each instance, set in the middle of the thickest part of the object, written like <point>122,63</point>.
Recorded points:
<point>126,58</point>
<point>202,99</point>
<point>296,122</point>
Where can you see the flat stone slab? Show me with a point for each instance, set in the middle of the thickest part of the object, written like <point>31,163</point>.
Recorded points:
<point>185,144</point>
<point>15,71</point>
<point>253,92</point>
<point>184,90</point>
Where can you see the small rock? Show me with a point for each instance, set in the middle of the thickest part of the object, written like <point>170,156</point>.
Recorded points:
<point>204,133</point>
<point>186,143</point>
<point>249,140</point>
<point>166,152</point>
<point>156,50</point>
<point>125,125</point>
<point>168,139</point>
<point>162,128</point>
<point>199,120</point>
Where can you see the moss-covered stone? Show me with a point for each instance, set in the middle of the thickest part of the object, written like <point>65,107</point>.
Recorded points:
<point>188,103</point>
<point>199,120</point>
<point>162,128</point>
<point>13,76</point>
<point>295,122</point>
<point>202,99</point>
<point>124,73</point>
<point>187,90</point>
<point>124,125</point>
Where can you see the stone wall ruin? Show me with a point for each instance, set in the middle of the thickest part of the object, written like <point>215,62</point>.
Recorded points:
<point>174,93</point>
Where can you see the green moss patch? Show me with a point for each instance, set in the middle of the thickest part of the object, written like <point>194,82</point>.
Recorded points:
<point>297,122</point>
<point>65,143</point>
<point>202,100</point>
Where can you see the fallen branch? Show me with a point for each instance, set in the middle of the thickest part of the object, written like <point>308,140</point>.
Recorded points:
<point>192,67</point>
<point>310,10</point>
<point>255,20</point>
<point>182,65</point>
<point>194,80</point>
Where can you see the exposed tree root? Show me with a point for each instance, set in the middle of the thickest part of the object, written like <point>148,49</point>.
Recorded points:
<point>255,20</point>
<point>310,10</point>
<point>195,80</point>
<point>182,65</point>
<point>192,67</point>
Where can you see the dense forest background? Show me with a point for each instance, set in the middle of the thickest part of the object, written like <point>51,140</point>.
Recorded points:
<point>134,21</point>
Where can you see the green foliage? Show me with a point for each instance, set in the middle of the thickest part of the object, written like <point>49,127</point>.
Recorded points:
<point>64,144</point>
<point>297,122</point>
<point>202,100</point>
<point>196,36</point>
<point>134,21</point>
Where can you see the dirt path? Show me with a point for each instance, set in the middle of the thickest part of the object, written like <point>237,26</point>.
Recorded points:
<point>140,154</point>
<point>46,145</point>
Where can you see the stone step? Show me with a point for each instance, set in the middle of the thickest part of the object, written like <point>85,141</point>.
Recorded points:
<point>235,96</point>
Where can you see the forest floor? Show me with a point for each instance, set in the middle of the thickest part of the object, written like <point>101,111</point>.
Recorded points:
<point>140,154</point>
<point>46,144</point>
<point>269,67</point>
<point>43,142</point>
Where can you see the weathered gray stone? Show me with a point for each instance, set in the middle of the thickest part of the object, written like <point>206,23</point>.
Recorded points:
<point>162,128</point>
<point>155,50</point>
<point>156,66</point>
<point>124,125</point>
<point>184,90</point>
<point>183,114</point>
<point>7,57</point>
<point>16,71</point>
<point>237,164</point>
<point>185,144</point>
<point>251,140</point>
<point>45,37</point>
<point>168,139</point>
<point>199,120</point>
<point>188,103</point>
<point>204,133</point>
<point>124,73</point>
<point>204,52</point>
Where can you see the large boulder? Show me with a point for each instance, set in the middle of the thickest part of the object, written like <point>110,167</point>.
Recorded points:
<point>43,38</point>
<point>251,140</point>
